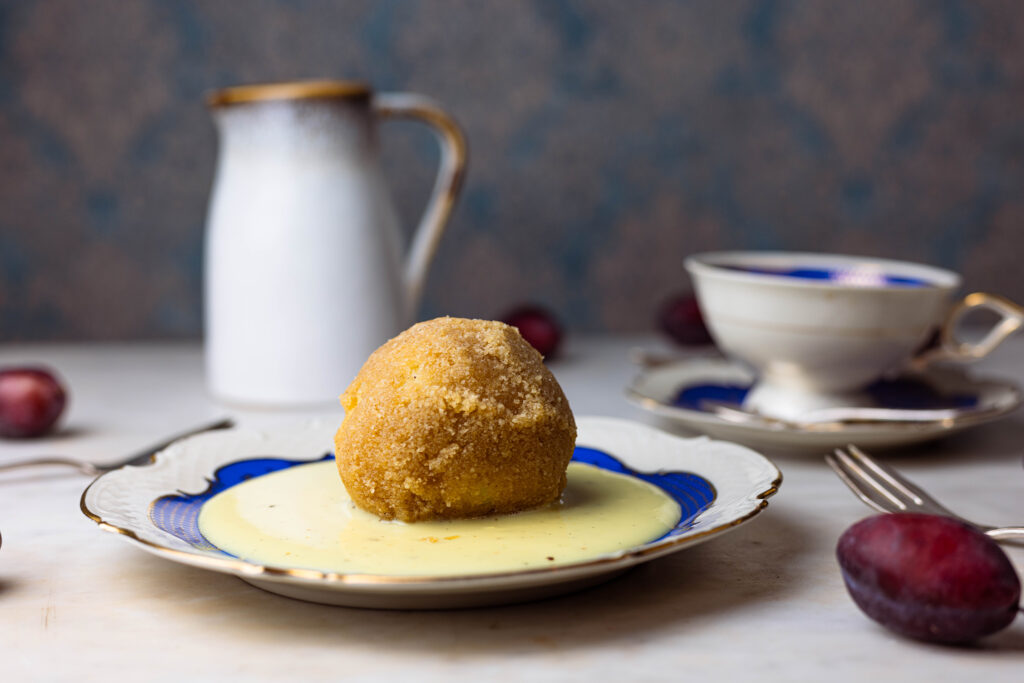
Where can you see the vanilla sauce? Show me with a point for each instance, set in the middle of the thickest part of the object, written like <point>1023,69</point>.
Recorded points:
<point>302,517</point>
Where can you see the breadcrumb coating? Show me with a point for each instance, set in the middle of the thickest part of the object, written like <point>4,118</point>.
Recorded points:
<point>454,418</point>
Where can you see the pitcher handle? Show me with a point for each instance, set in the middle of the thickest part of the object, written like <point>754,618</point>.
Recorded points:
<point>450,174</point>
<point>953,348</point>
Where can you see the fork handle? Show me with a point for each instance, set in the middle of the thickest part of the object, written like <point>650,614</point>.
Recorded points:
<point>83,467</point>
<point>1013,534</point>
<point>139,458</point>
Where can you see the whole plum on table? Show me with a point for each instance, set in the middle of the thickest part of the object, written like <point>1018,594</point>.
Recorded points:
<point>31,401</point>
<point>929,577</point>
<point>680,318</point>
<point>538,326</point>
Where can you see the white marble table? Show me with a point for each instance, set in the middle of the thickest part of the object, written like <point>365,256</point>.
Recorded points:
<point>765,601</point>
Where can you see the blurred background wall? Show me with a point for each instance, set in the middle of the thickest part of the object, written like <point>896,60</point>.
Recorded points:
<point>609,140</point>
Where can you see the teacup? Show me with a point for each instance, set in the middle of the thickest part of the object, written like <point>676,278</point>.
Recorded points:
<point>819,328</point>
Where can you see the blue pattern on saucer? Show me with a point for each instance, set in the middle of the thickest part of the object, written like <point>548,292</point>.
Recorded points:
<point>692,493</point>
<point>178,514</point>
<point>903,393</point>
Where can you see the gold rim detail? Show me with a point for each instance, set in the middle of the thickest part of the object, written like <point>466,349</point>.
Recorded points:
<point>293,90</point>
<point>982,416</point>
<point>248,569</point>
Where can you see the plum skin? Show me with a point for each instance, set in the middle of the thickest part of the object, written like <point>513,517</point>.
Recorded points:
<point>32,399</point>
<point>680,317</point>
<point>929,577</point>
<point>538,326</point>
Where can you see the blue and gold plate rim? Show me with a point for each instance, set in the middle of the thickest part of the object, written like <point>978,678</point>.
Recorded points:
<point>745,478</point>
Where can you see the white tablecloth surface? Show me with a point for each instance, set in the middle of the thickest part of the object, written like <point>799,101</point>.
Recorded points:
<point>765,601</point>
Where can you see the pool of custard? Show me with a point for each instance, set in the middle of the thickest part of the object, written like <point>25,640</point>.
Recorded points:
<point>302,517</point>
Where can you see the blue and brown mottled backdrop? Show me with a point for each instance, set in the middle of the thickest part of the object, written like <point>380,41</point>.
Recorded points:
<point>609,139</point>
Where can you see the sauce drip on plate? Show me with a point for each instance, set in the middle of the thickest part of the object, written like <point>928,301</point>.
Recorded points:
<point>302,517</point>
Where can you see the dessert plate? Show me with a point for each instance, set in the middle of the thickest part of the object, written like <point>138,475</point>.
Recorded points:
<point>706,395</point>
<point>718,486</point>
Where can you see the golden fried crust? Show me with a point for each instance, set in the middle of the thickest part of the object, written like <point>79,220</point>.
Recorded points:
<point>454,418</point>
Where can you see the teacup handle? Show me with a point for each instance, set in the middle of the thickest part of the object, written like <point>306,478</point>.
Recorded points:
<point>952,348</point>
<point>450,175</point>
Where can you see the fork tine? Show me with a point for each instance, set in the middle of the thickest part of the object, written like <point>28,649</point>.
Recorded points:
<point>865,489</point>
<point>881,487</point>
<point>897,481</point>
<point>888,495</point>
<point>886,474</point>
<point>837,467</point>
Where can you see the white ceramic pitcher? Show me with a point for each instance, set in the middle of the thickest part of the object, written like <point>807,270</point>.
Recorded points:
<point>305,275</point>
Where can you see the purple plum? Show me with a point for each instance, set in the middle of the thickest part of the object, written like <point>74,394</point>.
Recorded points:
<point>538,326</point>
<point>680,318</point>
<point>31,401</point>
<point>929,577</point>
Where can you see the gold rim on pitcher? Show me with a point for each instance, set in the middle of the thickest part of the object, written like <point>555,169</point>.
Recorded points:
<point>291,90</point>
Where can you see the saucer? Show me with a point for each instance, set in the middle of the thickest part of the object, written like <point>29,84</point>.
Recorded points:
<point>717,485</point>
<point>706,395</point>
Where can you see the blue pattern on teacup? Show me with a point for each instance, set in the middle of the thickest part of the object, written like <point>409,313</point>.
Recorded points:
<point>178,514</point>
<point>856,277</point>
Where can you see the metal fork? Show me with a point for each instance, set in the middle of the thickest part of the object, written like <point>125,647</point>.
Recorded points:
<point>884,489</point>
<point>137,458</point>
